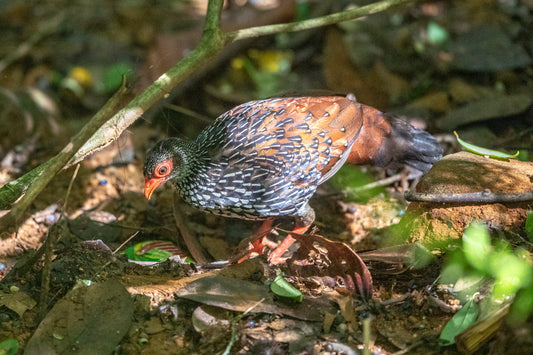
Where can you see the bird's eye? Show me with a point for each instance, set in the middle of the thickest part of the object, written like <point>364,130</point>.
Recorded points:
<point>163,169</point>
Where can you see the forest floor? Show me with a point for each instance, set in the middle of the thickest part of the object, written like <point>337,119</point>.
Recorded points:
<point>410,61</point>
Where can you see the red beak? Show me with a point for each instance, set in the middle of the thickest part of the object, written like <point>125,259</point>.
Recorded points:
<point>150,185</point>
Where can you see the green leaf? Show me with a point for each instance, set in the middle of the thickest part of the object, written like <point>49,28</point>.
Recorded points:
<point>511,273</point>
<point>484,151</point>
<point>465,317</point>
<point>529,225</point>
<point>476,245</point>
<point>9,347</point>
<point>522,305</point>
<point>113,76</point>
<point>283,288</point>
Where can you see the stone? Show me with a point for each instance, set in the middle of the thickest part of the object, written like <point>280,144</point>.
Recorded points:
<point>438,222</point>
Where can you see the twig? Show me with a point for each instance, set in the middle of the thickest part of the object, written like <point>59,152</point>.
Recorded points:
<point>315,22</point>
<point>127,240</point>
<point>470,197</point>
<point>383,182</point>
<point>234,328</point>
<point>69,189</point>
<point>196,250</point>
<point>409,348</point>
<point>366,335</point>
<point>189,113</point>
<point>396,300</point>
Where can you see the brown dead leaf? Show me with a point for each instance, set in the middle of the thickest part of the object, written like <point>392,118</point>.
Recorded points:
<point>240,295</point>
<point>18,302</point>
<point>88,320</point>
<point>335,263</point>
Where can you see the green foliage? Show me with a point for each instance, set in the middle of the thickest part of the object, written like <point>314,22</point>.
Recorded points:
<point>152,251</point>
<point>268,70</point>
<point>9,347</point>
<point>350,178</point>
<point>437,34</point>
<point>284,289</point>
<point>510,271</point>
<point>420,257</point>
<point>466,316</point>
<point>476,246</point>
<point>113,76</point>
<point>523,155</point>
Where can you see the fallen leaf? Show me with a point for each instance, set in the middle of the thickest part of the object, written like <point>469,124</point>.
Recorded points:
<point>487,48</point>
<point>485,109</point>
<point>283,288</point>
<point>335,263</point>
<point>208,317</point>
<point>19,302</point>
<point>88,320</point>
<point>465,317</point>
<point>240,295</point>
<point>484,151</point>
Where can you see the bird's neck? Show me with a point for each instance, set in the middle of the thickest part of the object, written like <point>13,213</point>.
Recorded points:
<point>191,160</point>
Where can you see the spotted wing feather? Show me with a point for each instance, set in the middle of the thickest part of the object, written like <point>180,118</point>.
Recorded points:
<point>272,154</point>
<point>305,139</point>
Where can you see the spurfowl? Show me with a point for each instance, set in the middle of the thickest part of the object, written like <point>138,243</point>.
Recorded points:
<point>264,159</point>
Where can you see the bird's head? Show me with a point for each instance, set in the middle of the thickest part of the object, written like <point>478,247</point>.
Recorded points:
<point>163,162</point>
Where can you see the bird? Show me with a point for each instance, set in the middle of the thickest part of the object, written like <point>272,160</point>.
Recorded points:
<point>264,159</point>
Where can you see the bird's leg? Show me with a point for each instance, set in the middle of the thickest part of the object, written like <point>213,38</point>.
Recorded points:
<point>304,219</point>
<point>257,242</point>
<point>263,233</point>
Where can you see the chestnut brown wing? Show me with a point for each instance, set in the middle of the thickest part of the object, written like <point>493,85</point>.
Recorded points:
<point>306,139</point>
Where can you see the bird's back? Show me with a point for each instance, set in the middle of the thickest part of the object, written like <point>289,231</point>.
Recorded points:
<point>266,158</point>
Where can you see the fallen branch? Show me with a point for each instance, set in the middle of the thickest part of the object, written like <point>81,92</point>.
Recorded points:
<point>470,197</point>
<point>108,124</point>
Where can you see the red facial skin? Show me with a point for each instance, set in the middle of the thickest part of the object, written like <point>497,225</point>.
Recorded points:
<point>160,175</point>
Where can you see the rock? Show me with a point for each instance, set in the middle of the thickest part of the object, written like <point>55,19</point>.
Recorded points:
<point>464,173</point>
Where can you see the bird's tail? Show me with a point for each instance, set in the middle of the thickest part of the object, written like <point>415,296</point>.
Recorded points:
<point>385,141</point>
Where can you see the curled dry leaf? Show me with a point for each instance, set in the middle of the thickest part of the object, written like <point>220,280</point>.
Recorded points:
<point>334,263</point>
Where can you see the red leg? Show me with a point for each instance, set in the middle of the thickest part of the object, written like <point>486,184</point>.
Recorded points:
<point>304,218</point>
<point>259,241</point>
